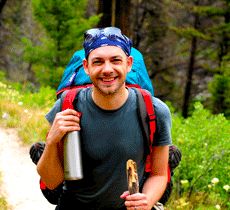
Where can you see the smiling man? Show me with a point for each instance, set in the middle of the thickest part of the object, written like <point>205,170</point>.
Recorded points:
<point>110,134</point>
<point>107,67</point>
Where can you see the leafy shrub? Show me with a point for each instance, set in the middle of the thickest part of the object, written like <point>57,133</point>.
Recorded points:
<point>43,98</point>
<point>219,88</point>
<point>205,144</point>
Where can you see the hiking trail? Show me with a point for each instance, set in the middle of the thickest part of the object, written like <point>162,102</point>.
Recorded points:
<point>19,179</point>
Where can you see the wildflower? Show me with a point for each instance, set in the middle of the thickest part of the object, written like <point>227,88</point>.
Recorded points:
<point>226,188</point>
<point>215,181</point>
<point>26,110</point>
<point>5,116</point>
<point>209,186</point>
<point>184,182</point>
<point>20,103</point>
<point>217,206</point>
<point>182,202</point>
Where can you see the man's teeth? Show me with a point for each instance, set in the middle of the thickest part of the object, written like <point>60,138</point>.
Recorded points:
<point>108,79</point>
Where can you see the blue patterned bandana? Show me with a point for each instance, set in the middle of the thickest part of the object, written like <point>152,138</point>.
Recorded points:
<point>110,36</point>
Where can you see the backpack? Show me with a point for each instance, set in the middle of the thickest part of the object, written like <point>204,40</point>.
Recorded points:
<point>74,74</point>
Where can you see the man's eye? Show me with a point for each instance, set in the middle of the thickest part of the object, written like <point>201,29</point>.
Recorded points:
<point>97,62</point>
<point>116,61</point>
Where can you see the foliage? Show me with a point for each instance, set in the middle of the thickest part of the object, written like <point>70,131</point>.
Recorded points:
<point>3,203</point>
<point>190,32</point>
<point>64,24</point>
<point>24,110</point>
<point>206,23</point>
<point>220,90</point>
<point>205,144</point>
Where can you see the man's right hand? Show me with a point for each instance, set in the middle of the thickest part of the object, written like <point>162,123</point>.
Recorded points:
<point>64,121</point>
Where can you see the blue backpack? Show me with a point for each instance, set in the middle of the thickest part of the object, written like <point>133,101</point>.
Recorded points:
<point>74,74</point>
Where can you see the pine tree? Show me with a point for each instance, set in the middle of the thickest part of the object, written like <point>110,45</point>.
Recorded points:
<point>202,32</point>
<point>64,23</point>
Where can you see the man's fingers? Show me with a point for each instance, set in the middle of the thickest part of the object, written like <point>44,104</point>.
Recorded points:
<point>67,115</point>
<point>67,118</point>
<point>71,112</point>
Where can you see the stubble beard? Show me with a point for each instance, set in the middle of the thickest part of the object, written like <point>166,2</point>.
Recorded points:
<point>108,91</point>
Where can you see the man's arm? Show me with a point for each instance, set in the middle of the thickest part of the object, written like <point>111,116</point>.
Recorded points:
<point>50,165</point>
<point>155,184</point>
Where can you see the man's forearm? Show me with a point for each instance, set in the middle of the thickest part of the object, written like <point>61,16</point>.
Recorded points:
<point>154,188</point>
<point>50,166</point>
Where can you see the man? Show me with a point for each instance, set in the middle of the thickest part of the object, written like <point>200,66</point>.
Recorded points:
<point>110,134</point>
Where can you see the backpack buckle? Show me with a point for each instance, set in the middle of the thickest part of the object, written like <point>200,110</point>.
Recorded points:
<point>152,117</point>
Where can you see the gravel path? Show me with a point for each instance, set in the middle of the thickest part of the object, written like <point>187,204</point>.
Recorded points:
<point>19,181</point>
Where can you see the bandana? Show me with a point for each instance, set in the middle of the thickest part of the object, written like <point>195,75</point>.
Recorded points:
<point>110,36</point>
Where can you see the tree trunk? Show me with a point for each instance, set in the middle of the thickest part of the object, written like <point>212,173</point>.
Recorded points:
<point>113,20</point>
<point>190,71</point>
<point>104,7</point>
<point>115,13</point>
<point>225,43</point>
<point>2,4</point>
<point>122,16</point>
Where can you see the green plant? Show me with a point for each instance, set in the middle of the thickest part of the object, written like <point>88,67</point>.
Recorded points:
<point>26,110</point>
<point>205,144</point>
<point>3,203</point>
<point>64,23</point>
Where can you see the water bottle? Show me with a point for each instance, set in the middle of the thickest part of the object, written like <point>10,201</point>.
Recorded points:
<point>72,156</point>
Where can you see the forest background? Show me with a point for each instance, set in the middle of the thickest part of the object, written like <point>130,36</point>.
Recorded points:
<point>186,47</point>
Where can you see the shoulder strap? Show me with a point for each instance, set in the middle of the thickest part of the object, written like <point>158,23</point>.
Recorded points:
<point>148,119</point>
<point>146,112</point>
<point>150,113</point>
<point>68,98</point>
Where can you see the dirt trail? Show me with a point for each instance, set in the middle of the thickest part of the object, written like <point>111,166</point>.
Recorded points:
<point>19,183</point>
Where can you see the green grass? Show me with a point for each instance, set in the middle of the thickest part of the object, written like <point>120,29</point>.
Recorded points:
<point>25,111</point>
<point>3,203</point>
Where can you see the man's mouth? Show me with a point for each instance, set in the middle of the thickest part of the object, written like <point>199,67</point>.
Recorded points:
<point>109,80</point>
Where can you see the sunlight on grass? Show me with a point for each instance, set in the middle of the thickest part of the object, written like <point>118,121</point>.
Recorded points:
<point>26,112</point>
<point>3,204</point>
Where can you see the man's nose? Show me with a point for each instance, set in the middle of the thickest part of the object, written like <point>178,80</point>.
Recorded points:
<point>107,68</point>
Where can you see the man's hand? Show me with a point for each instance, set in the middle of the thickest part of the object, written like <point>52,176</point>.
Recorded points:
<point>65,121</point>
<point>137,201</point>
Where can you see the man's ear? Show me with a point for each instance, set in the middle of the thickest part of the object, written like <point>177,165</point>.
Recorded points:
<point>129,63</point>
<point>85,65</point>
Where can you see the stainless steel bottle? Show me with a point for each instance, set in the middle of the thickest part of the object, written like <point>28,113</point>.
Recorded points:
<point>72,156</point>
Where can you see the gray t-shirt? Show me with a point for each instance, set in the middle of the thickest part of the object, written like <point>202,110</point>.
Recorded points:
<point>108,140</point>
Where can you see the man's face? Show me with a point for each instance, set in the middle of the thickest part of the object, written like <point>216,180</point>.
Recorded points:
<point>107,67</point>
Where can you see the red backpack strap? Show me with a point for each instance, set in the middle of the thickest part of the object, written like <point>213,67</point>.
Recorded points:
<point>150,112</point>
<point>68,98</point>
<point>60,92</point>
<point>148,119</point>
